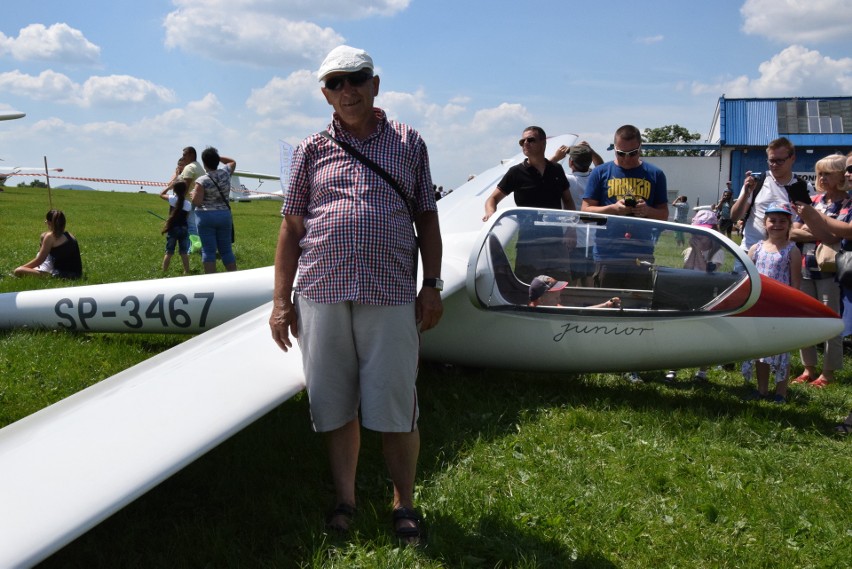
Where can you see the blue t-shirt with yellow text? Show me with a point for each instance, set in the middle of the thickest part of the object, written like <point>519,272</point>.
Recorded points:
<point>609,183</point>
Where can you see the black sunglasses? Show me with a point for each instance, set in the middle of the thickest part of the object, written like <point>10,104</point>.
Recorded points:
<point>849,169</point>
<point>623,153</point>
<point>777,161</point>
<point>356,79</point>
<point>529,139</point>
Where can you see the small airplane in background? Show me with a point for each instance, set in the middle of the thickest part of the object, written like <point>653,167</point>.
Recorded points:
<point>64,472</point>
<point>11,116</point>
<point>239,192</point>
<point>9,172</point>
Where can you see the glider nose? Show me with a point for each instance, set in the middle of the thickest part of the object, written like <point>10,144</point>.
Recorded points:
<point>778,300</point>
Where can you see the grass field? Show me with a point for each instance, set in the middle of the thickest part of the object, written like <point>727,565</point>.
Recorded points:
<point>516,470</point>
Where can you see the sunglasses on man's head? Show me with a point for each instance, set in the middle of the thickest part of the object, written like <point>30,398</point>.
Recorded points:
<point>356,79</point>
<point>624,153</point>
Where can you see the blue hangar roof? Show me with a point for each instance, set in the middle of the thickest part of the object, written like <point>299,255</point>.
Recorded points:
<point>806,121</point>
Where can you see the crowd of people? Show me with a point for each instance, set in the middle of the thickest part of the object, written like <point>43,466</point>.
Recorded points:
<point>784,221</point>
<point>195,193</point>
<point>201,192</point>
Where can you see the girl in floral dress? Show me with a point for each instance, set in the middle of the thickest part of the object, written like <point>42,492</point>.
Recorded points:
<point>778,258</point>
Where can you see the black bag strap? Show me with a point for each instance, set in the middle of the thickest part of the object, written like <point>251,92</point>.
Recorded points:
<point>374,167</point>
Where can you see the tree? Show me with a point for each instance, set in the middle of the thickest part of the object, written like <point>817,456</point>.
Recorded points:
<point>673,133</point>
<point>34,184</point>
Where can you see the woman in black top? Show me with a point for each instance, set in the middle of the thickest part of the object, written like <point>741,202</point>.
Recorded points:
<point>59,253</point>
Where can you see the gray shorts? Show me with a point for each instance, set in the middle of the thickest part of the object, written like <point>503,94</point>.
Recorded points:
<point>360,355</point>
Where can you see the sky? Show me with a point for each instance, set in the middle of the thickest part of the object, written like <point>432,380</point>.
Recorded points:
<point>115,89</point>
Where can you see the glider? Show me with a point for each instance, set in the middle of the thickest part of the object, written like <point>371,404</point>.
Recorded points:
<point>239,192</point>
<point>11,116</point>
<point>62,472</point>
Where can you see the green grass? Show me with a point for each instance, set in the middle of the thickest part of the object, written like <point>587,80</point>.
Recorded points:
<point>517,469</point>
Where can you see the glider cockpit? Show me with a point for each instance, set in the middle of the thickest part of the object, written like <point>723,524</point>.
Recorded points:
<point>651,267</point>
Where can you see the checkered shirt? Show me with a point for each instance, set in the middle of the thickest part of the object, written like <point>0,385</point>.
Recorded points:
<point>359,242</point>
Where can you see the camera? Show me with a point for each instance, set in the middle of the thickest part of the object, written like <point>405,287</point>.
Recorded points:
<point>758,179</point>
<point>630,201</point>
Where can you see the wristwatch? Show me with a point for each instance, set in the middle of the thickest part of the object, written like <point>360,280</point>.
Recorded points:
<point>434,283</point>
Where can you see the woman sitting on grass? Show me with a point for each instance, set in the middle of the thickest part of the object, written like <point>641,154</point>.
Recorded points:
<point>59,254</point>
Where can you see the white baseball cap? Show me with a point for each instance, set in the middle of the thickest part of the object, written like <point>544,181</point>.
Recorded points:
<point>345,59</point>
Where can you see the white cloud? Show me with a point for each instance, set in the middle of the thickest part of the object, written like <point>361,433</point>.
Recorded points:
<point>794,71</point>
<point>122,89</point>
<point>266,33</point>
<point>281,96</point>
<point>798,21</point>
<point>47,86</point>
<point>95,91</point>
<point>648,40</point>
<point>461,139</point>
<point>252,39</point>
<point>155,141</point>
<point>298,9</point>
<point>58,43</point>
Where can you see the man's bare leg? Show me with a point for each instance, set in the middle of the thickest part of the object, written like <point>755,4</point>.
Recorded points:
<point>343,447</point>
<point>401,451</point>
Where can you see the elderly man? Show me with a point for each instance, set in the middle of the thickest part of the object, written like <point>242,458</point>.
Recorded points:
<point>353,309</point>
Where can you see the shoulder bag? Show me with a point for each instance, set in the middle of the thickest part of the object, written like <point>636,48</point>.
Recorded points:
<point>843,266</point>
<point>825,255</point>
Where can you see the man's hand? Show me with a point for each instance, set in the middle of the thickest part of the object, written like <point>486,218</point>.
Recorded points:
<point>641,209</point>
<point>283,322</point>
<point>621,208</point>
<point>428,308</point>
<point>560,153</point>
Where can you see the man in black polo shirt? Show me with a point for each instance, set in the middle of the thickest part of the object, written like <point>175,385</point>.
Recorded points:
<point>536,182</point>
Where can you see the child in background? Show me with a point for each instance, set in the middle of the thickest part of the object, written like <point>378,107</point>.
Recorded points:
<point>776,257</point>
<point>681,213</point>
<point>175,228</point>
<point>703,254</point>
